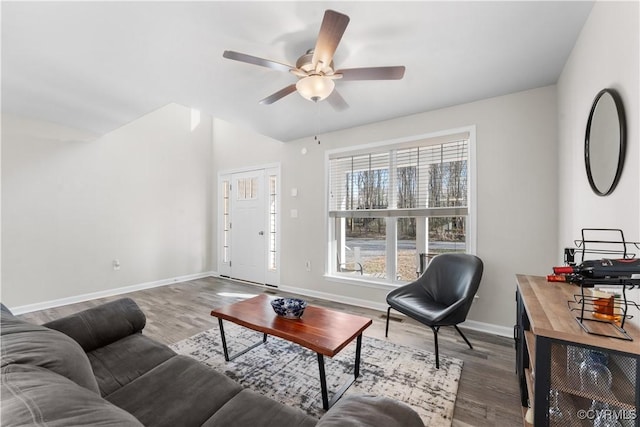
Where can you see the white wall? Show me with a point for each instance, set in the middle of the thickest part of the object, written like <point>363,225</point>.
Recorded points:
<point>517,216</point>
<point>70,206</point>
<point>605,56</point>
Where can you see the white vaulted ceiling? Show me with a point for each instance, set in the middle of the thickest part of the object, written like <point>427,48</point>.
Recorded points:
<point>98,65</point>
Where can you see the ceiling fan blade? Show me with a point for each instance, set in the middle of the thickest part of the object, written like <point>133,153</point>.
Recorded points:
<point>243,57</point>
<point>372,73</point>
<point>337,101</point>
<point>278,95</point>
<point>331,31</point>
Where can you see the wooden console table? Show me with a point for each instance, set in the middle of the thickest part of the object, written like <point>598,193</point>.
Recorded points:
<point>546,330</point>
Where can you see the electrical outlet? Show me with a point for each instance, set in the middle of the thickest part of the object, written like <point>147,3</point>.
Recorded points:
<point>307,265</point>
<point>116,264</point>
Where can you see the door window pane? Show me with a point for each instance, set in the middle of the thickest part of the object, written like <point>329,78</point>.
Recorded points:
<point>272,222</point>
<point>247,189</point>
<point>226,222</point>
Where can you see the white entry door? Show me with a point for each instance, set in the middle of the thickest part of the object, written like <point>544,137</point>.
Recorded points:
<point>248,226</point>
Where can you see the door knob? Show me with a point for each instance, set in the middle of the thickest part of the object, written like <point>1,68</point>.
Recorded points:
<point>261,233</point>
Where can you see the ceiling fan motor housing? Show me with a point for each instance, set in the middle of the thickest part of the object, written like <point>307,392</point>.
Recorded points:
<point>305,63</point>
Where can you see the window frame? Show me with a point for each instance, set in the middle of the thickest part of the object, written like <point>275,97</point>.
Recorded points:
<point>440,137</point>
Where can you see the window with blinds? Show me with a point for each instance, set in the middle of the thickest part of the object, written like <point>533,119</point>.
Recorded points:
<point>421,180</point>
<point>389,203</point>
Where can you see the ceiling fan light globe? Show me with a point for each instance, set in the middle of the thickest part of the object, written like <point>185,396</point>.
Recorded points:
<point>315,88</point>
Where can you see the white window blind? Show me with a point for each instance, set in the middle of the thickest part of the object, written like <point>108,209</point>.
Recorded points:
<point>421,180</point>
<point>361,182</point>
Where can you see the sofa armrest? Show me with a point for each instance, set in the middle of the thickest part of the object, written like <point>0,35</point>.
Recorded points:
<point>370,411</point>
<point>102,325</point>
<point>5,309</point>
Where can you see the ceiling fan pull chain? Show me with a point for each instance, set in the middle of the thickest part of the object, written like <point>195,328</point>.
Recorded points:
<point>317,121</point>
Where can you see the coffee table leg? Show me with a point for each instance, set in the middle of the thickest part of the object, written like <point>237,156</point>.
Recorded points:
<point>326,404</point>
<point>356,368</point>
<point>323,383</point>
<point>224,341</point>
<point>240,353</point>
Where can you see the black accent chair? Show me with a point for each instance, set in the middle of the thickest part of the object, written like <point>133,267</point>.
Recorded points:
<point>442,296</point>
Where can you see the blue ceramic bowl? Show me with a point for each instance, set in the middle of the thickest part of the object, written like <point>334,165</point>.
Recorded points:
<point>291,308</point>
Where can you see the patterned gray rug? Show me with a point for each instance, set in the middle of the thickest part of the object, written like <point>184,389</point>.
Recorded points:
<point>289,373</point>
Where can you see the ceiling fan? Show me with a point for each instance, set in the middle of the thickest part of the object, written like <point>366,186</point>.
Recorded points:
<point>315,68</point>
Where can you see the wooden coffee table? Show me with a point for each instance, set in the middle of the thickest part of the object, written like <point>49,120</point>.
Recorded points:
<point>319,329</point>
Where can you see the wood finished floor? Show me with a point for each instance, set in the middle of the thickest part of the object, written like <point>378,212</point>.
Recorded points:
<point>488,390</point>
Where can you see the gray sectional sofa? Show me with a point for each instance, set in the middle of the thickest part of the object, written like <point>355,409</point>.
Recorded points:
<point>97,368</point>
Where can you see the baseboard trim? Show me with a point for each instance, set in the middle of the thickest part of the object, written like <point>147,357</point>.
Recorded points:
<point>107,293</point>
<point>358,302</point>
<point>488,328</point>
<point>335,298</point>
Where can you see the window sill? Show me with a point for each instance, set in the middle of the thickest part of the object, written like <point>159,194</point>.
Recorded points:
<point>364,282</point>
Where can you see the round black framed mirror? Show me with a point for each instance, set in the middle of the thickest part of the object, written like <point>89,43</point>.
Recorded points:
<point>605,142</point>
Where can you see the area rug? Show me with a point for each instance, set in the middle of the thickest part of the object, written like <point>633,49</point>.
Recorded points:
<point>289,373</point>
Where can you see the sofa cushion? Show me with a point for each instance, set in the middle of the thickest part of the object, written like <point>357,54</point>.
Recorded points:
<point>248,408</point>
<point>28,344</point>
<point>121,362</point>
<point>370,411</point>
<point>36,396</point>
<point>179,392</point>
<point>102,325</point>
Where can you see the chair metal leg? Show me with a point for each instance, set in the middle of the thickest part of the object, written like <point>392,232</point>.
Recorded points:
<point>435,340</point>
<point>463,337</point>
<point>386,331</point>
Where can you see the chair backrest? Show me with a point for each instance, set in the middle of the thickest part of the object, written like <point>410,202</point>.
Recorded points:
<point>450,277</point>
